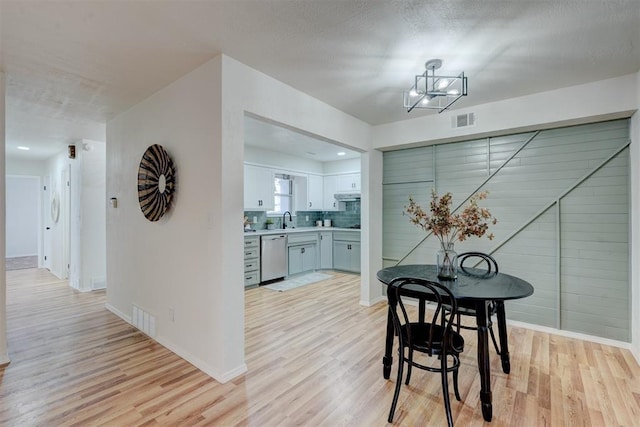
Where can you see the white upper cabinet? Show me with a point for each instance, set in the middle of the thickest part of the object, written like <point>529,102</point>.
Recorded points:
<point>258,188</point>
<point>348,183</point>
<point>308,192</point>
<point>330,188</point>
<point>301,193</point>
<point>315,193</point>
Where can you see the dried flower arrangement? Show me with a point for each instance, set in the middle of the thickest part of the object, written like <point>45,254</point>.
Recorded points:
<point>448,227</point>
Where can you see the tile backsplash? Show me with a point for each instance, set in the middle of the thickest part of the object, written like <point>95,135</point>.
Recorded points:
<point>344,219</point>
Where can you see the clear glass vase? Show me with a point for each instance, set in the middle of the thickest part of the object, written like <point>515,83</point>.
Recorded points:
<point>447,262</point>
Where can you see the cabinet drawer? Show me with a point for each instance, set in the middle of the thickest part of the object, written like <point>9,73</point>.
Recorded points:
<point>252,242</point>
<point>348,236</point>
<point>298,238</point>
<point>251,265</point>
<point>251,279</point>
<point>251,253</point>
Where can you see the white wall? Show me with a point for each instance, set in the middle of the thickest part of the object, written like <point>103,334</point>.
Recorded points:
<point>16,166</point>
<point>88,255</point>
<point>175,264</point>
<point>4,356</point>
<point>342,166</point>
<point>279,160</point>
<point>192,260</point>
<point>22,215</point>
<point>573,105</point>
<point>246,90</point>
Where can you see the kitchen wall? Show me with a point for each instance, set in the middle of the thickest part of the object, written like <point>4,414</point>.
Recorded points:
<point>349,217</point>
<point>279,160</point>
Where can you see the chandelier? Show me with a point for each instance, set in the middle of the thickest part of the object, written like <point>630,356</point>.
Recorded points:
<point>434,92</point>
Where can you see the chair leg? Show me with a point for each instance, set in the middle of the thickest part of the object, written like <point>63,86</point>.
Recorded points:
<point>445,389</point>
<point>409,366</point>
<point>396,393</point>
<point>493,338</point>
<point>458,325</point>
<point>455,379</point>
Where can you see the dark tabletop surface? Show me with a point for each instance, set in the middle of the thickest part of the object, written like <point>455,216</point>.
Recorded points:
<point>471,283</point>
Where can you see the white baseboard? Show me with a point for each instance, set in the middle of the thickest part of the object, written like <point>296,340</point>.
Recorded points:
<point>221,377</point>
<point>4,360</point>
<point>118,313</point>
<point>373,302</point>
<point>570,334</point>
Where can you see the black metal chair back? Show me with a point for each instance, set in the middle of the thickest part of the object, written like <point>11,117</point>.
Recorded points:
<point>477,259</point>
<point>489,266</point>
<point>431,334</point>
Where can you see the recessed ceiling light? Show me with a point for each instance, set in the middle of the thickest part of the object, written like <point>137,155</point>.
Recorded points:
<point>342,153</point>
<point>21,147</point>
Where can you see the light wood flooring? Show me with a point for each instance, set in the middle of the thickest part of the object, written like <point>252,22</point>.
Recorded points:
<point>314,358</point>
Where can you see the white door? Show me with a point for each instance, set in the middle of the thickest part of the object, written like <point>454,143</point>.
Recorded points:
<point>65,218</point>
<point>47,245</point>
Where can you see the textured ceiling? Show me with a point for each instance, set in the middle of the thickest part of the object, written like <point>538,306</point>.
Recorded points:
<point>70,65</point>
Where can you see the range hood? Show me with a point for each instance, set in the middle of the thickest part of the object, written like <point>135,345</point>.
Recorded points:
<point>347,197</point>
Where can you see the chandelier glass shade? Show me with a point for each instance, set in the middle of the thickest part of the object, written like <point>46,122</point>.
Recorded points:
<point>434,92</point>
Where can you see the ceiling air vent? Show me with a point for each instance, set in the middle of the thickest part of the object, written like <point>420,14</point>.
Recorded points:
<point>463,120</point>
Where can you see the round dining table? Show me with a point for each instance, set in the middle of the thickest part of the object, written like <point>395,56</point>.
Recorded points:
<point>473,288</point>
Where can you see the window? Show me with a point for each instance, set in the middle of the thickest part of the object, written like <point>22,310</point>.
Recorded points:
<point>283,198</point>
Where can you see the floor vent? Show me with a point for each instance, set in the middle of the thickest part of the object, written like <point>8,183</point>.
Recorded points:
<point>144,321</point>
<point>463,120</point>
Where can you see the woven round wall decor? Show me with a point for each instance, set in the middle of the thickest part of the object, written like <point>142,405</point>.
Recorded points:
<point>156,182</point>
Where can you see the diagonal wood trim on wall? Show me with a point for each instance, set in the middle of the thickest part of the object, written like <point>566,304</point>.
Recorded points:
<point>575,255</point>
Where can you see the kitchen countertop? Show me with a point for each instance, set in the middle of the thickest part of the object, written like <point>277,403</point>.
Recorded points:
<point>296,230</point>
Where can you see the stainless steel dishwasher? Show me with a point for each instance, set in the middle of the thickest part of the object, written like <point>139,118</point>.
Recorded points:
<point>273,257</point>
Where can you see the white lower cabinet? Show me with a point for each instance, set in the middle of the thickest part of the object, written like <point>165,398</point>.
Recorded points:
<point>346,251</point>
<point>251,261</point>
<point>302,258</point>
<point>308,251</point>
<point>302,252</point>
<point>326,250</point>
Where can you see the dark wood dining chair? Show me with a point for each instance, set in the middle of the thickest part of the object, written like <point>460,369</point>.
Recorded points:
<point>435,337</point>
<point>488,266</point>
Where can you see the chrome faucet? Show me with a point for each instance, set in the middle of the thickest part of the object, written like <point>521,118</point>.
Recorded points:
<point>284,221</point>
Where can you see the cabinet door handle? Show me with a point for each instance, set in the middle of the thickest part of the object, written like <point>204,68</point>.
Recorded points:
<point>309,204</point>
<point>302,250</point>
